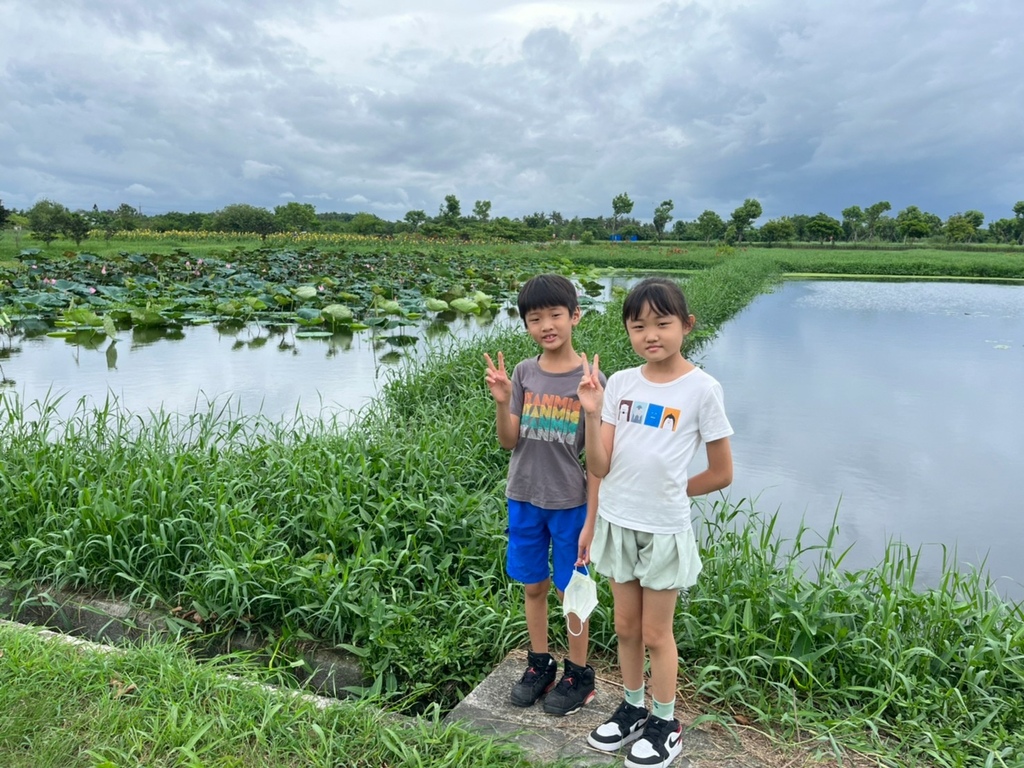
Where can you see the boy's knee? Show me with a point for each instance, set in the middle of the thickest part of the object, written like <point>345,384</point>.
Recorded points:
<point>538,590</point>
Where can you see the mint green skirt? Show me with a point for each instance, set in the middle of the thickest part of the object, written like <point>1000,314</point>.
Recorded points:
<point>661,561</point>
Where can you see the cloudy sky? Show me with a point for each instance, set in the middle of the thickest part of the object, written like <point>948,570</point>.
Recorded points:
<point>806,105</point>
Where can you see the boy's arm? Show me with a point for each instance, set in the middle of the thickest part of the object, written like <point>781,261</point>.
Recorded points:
<point>501,387</point>
<point>508,427</point>
<point>719,472</point>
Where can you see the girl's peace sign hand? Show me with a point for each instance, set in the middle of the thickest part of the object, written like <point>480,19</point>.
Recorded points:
<point>590,392</point>
<point>497,379</point>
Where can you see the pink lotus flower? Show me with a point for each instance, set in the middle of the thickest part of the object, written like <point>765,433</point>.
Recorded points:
<point>91,289</point>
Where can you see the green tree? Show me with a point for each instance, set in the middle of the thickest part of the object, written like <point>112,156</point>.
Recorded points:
<point>823,227</point>
<point>46,220</point>
<point>961,228</point>
<point>178,221</point>
<point>1018,220</point>
<point>744,216</point>
<point>126,217</point>
<point>777,231</point>
<point>710,226</point>
<point>244,218</point>
<point>451,210</point>
<point>5,214</point>
<point>1003,230</point>
<point>295,217</point>
<point>482,209</point>
<point>621,205</point>
<point>536,220</point>
<point>662,216</point>
<point>415,218</point>
<point>76,227</point>
<point>681,230</point>
<point>368,224</point>
<point>853,222</point>
<point>872,214</point>
<point>912,223</point>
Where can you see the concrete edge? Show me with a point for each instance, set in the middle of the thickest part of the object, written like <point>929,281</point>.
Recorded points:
<point>324,671</point>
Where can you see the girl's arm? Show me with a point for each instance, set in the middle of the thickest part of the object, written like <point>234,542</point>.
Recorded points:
<point>587,533</point>
<point>719,472</point>
<point>599,435</point>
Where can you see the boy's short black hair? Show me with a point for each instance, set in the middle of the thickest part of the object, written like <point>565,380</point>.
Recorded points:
<point>663,295</point>
<point>546,291</point>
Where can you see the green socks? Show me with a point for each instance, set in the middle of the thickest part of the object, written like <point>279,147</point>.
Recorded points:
<point>636,698</point>
<point>664,711</point>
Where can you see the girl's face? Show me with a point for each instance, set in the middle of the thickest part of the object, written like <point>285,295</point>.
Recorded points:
<point>657,338</point>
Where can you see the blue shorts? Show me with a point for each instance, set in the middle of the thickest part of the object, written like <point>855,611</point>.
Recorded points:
<point>537,537</point>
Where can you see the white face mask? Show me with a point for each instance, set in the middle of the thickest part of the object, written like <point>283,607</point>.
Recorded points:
<point>580,599</point>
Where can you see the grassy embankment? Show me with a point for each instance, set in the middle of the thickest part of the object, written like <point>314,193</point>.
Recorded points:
<point>371,539</point>
<point>67,707</point>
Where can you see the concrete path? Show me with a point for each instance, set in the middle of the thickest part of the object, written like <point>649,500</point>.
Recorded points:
<point>487,710</point>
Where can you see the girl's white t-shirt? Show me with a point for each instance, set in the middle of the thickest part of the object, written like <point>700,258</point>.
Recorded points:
<point>658,430</point>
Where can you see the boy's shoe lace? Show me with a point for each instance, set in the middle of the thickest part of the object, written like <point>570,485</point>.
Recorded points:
<point>574,690</point>
<point>621,728</point>
<point>537,680</point>
<point>661,743</point>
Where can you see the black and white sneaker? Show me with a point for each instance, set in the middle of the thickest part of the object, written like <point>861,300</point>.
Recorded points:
<point>661,744</point>
<point>574,690</point>
<point>623,727</point>
<point>538,679</point>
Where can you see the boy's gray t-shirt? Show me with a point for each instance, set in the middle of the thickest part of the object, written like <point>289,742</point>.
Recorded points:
<point>545,467</point>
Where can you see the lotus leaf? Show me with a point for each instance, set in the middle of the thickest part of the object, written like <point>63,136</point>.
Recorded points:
<point>83,316</point>
<point>338,312</point>
<point>436,305</point>
<point>308,316</point>
<point>466,306</point>
<point>305,292</point>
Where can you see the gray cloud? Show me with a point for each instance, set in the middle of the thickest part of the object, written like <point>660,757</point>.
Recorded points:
<point>806,106</point>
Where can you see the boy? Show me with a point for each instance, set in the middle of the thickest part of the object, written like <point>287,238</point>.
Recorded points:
<point>540,421</point>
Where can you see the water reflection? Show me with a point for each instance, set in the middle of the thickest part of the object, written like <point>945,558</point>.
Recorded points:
<point>277,370</point>
<point>896,407</point>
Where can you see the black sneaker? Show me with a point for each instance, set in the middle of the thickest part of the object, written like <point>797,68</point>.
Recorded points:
<point>538,679</point>
<point>575,689</point>
<point>661,744</point>
<point>624,726</point>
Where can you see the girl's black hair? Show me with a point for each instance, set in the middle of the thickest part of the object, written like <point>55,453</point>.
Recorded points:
<point>546,291</point>
<point>664,296</point>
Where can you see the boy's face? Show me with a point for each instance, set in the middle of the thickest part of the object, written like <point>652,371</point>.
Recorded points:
<point>551,327</point>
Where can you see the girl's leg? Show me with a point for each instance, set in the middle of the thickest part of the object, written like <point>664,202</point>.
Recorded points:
<point>659,607</point>
<point>629,613</point>
<point>536,610</point>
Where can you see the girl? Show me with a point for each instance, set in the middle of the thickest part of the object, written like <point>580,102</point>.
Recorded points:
<point>641,437</point>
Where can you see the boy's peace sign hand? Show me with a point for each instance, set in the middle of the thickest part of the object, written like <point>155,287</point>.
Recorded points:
<point>590,392</point>
<point>497,379</point>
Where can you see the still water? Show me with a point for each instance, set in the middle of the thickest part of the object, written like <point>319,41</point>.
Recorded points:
<point>898,408</point>
<point>249,369</point>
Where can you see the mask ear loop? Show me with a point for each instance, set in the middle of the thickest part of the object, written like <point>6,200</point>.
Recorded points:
<point>568,626</point>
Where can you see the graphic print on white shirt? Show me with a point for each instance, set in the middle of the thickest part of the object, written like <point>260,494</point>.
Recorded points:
<point>649,414</point>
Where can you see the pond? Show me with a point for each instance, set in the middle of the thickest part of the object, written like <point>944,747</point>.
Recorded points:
<point>897,408</point>
<point>894,408</point>
<point>277,372</point>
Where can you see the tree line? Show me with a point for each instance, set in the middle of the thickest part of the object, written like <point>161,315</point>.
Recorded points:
<point>47,220</point>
